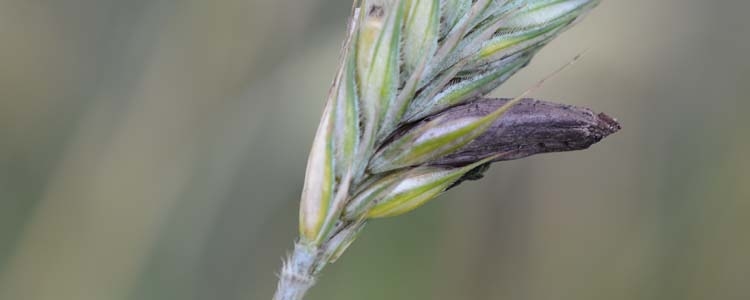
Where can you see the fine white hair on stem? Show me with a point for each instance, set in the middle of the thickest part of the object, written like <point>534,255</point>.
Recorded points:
<point>296,274</point>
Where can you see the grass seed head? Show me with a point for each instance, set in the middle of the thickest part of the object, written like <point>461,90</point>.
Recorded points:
<point>404,62</point>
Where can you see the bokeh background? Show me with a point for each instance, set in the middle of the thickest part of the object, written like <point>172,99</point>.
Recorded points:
<point>155,149</point>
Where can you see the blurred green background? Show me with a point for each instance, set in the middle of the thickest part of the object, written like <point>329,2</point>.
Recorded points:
<point>155,149</point>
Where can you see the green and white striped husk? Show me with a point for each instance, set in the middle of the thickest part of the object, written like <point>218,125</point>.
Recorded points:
<point>404,61</point>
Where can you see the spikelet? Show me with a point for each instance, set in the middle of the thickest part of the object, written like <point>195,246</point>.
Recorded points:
<point>399,127</point>
<point>404,61</point>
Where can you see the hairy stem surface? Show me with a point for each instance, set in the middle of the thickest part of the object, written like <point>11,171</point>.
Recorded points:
<point>297,274</point>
